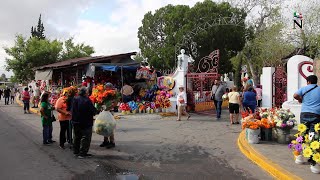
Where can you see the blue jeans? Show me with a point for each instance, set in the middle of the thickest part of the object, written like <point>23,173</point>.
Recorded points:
<point>218,105</point>
<point>310,120</point>
<point>47,133</point>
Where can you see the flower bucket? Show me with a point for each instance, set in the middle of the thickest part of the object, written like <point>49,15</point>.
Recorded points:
<point>300,159</point>
<point>252,135</point>
<point>151,111</point>
<point>282,135</point>
<point>124,112</point>
<point>134,111</point>
<point>266,134</point>
<point>156,110</point>
<point>315,169</point>
<point>140,111</point>
<point>127,112</point>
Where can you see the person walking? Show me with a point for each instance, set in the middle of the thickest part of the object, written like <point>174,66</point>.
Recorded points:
<point>182,103</point>
<point>1,92</point>
<point>12,95</point>
<point>36,96</point>
<point>46,111</point>
<point>309,96</point>
<point>82,120</point>
<point>234,105</point>
<point>217,92</point>
<point>258,90</point>
<point>64,117</point>
<point>26,100</point>
<point>249,100</point>
<point>6,95</point>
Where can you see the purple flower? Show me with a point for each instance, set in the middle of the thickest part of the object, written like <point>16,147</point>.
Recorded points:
<point>283,125</point>
<point>290,145</point>
<point>299,139</point>
<point>298,147</point>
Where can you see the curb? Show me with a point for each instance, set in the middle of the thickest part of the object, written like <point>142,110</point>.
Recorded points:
<point>267,165</point>
<point>34,111</point>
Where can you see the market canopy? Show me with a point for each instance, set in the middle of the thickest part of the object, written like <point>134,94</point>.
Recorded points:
<point>129,65</point>
<point>43,74</point>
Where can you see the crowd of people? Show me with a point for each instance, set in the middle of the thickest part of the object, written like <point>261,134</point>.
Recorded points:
<point>8,94</point>
<point>247,98</point>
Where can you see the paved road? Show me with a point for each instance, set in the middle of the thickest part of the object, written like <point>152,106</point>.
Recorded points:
<point>148,146</point>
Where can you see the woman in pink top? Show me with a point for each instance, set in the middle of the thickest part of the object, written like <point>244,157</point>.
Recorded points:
<point>259,95</point>
<point>26,100</point>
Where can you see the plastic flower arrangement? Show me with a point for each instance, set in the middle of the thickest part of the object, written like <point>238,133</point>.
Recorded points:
<point>162,99</point>
<point>311,146</point>
<point>103,98</point>
<point>267,123</point>
<point>254,124</point>
<point>70,92</point>
<point>284,119</point>
<point>124,107</point>
<point>301,139</point>
<point>133,105</point>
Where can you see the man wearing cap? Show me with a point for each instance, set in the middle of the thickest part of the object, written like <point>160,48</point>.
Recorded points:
<point>127,92</point>
<point>82,120</point>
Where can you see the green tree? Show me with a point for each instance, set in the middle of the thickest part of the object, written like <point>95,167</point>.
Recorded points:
<point>139,58</point>
<point>162,31</point>
<point>72,50</point>
<point>27,54</point>
<point>38,31</point>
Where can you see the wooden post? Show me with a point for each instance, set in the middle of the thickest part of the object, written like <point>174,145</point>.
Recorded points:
<point>61,79</point>
<point>122,82</point>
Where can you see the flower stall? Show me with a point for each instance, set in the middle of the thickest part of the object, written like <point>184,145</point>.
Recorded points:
<point>269,124</point>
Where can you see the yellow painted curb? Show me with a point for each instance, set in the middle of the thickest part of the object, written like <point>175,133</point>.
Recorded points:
<point>34,111</point>
<point>272,168</point>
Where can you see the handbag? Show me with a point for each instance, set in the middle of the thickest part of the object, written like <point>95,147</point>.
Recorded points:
<point>214,94</point>
<point>53,118</point>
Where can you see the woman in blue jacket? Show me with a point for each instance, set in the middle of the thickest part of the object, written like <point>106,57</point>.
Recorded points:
<point>249,100</point>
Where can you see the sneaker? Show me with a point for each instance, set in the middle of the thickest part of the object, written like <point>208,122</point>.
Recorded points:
<point>25,112</point>
<point>88,155</point>
<point>104,144</point>
<point>46,143</point>
<point>80,156</point>
<point>51,141</point>
<point>111,145</point>
<point>62,147</point>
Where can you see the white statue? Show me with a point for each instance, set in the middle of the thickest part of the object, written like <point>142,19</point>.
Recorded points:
<point>226,78</point>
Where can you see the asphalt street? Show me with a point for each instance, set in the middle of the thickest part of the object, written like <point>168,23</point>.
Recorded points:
<point>147,147</point>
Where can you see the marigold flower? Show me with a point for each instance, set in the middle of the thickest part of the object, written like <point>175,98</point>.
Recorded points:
<point>317,127</point>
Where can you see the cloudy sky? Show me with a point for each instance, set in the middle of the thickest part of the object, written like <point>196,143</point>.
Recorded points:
<point>110,26</point>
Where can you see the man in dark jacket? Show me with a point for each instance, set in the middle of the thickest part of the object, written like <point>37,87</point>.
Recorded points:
<point>6,95</point>
<point>82,119</point>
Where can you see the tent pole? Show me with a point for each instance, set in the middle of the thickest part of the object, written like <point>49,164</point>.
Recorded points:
<point>122,82</point>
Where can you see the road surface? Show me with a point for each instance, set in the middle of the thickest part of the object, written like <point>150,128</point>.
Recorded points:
<point>147,147</point>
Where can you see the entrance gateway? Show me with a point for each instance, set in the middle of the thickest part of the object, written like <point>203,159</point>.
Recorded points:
<point>200,78</point>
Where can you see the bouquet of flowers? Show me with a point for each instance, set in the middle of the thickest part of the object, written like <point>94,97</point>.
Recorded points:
<point>104,98</point>
<point>252,124</point>
<point>267,123</point>
<point>133,105</point>
<point>163,99</point>
<point>124,107</point>
<point>284,119</point>
<point>301,138</point>
<point>311,146</point>
<point>70,92</point>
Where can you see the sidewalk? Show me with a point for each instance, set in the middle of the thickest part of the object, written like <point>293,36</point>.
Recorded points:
<point>276,159</point>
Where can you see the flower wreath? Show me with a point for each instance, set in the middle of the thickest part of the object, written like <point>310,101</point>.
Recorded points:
<point>166,82</point>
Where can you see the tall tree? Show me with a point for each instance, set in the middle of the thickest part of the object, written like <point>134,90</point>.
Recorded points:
<point>27,54</point>
<point>38,31</point>
<point>162,31</point>
<point>72,50</point>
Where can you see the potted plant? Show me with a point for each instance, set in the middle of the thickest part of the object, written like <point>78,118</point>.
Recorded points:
<point>284,120</point>
<point>311,149</point>
<point>296,145</point>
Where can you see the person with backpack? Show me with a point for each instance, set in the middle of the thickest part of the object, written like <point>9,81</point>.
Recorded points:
<point>309,96</point>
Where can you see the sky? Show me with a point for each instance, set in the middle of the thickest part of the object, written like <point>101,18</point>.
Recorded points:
<point>110,26</point>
